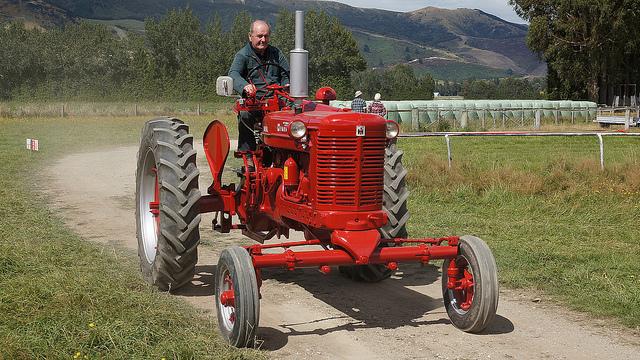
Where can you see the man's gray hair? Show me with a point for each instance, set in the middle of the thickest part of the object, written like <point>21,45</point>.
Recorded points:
<point>253,23</point>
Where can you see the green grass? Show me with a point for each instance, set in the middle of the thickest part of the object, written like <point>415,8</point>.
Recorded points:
<point>62,297</point>
<point>123,23</point>
<point>390,51</point>
<point>555,221</point>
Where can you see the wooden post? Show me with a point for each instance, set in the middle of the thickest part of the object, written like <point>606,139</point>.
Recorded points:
<point>572,109</point>
<point>538,119</point>
<point>586,118</point>
<point>62,111</point>
<point>198,109</point>
<point>135,110</point>
<point>415,118</point>
<point>627,118</point>
<point>463,119</point>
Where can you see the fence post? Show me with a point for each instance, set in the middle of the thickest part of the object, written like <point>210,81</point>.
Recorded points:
<point>556,116</point>
<point>538,119</point>
<point>572,109</point>
<point>484,113</point>
<point>62,111</point>
<point>446,137</point>
<point>415,118</point>
<point>601,152</point>
<point>627,117</point>
<point>135,110</point>
<point>586,118</point>
<point>463,119</point>
<point>198,109</point>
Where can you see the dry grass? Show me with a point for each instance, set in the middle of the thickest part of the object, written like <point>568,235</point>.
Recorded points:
<point>556,222</point>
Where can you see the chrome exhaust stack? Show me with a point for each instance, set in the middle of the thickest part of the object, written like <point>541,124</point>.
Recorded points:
<point>299,58</point>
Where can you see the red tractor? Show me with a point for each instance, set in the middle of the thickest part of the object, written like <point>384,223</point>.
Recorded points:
<point>331,173</point>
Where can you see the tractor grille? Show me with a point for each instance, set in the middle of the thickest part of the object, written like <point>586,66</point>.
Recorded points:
<point>350,171</point>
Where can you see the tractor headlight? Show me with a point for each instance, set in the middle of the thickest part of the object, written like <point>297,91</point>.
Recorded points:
<point>392,129</point>
<point>297,129</point>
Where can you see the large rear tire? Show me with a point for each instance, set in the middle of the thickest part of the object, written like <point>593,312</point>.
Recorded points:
<point>167,212</point>
<point>473,303</point>
<point>395,194</point>
<point>237,297</point>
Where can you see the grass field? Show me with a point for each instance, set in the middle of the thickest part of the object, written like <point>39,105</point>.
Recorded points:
<point>556,223</point>
<point>62,297</point>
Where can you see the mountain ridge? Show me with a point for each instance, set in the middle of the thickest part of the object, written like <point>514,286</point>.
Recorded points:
<point>36,13</point>
<point>467,36</point>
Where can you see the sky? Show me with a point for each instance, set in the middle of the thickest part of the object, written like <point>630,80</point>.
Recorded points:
<point>499,8</point>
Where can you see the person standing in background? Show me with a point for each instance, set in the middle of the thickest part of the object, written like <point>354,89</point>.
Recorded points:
<point>377,107</point>
<point>358,104</point>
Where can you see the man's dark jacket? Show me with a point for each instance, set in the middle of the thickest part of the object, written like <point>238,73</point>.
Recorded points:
<point>246,59</point>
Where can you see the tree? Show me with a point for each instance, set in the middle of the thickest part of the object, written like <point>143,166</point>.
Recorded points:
<point>478,89</point>
<point>333,51</point>
<point>284,36</point>
<point>426,87</point>
<point>588,44</point>
<point>176,41</point>
<point>19,67</point>
<point>401,83</point>
<point>218,55</point>
<point>368,82</point>
<point>512,88</point>
<point>239,33</point>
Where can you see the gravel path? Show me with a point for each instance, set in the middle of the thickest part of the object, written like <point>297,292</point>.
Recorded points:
<point>309,315</point>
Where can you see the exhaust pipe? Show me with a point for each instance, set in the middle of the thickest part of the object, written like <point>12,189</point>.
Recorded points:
<point>299,66</point>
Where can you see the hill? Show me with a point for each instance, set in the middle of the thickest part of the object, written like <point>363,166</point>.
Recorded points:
<point>36,13</point>
<point>483,45</point>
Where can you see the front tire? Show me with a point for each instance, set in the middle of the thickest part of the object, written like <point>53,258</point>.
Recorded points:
<point>237,297</point>
<point>473,302</point>
<point>167,212</point>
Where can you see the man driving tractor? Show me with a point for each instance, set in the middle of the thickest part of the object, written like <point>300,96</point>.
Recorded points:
<point>255,53</point>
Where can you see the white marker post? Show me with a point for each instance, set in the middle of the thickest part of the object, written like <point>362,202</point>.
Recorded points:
<point>32,144</point>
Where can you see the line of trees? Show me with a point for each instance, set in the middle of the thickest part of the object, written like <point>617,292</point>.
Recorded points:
<point>397,83</point>
<point>180,59</point>
<point>176,60</point>
<point>508,88</point>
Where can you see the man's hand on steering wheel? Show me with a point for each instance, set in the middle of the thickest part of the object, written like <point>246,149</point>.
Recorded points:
<point>250,89</point>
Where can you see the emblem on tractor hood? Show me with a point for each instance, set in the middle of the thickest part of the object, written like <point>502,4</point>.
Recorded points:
<point>282,127</point>
<point>360,130</point>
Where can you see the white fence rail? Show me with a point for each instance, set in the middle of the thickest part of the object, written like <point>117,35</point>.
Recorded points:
<point>448,135</point>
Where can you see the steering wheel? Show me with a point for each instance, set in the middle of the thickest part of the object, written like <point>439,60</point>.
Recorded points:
<point>268,87</point>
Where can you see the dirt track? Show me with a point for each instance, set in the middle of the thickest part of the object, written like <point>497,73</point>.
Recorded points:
<point>308,315</point>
